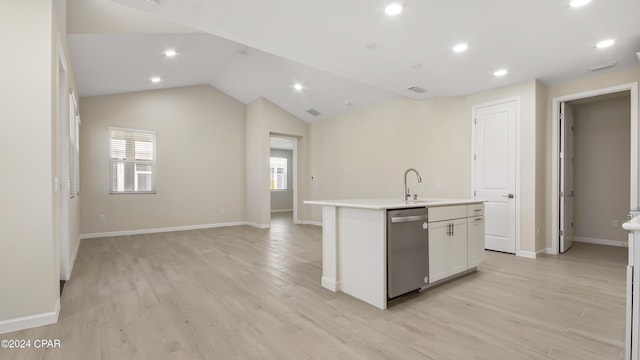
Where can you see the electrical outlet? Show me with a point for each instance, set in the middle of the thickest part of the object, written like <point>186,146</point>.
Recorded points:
<point>615,223</point>
<point>101,218</point>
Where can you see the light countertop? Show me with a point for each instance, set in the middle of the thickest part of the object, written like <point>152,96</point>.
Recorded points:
<point>392,203</point>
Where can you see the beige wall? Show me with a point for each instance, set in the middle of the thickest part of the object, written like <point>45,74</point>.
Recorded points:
<point>29,259</point>
<point>526,176</point>
<point>602,158</point>
<point>283,199</point>
<point>200,159</point>
<point>599,81</point>
<point>263,120</point>
<point>364,153</point>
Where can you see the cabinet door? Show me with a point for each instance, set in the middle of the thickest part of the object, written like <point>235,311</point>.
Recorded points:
<point>438,250</point>
<point>475,228</point>
<point>458,247</point>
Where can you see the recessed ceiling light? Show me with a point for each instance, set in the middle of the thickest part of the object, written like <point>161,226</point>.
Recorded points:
<point>501,72</point>
<point>155,79</point>
<point>370,45</point>
<point>605,43</point>
<point>170,53</point>
<point>578,3</point>
<point>244,50</point>
<point>460,48</point>
<point>347,103</point>
<point>393,9</point>
<point>298,86</point>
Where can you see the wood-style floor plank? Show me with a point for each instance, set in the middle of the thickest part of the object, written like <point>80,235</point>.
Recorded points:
<point>246,293</point>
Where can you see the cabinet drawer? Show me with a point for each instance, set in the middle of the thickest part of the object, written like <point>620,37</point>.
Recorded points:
<point>475,210</point>
<point>447,212</point>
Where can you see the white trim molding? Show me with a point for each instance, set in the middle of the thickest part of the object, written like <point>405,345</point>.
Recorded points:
<point>309,222</point>
<point>165,229</point>
<point>526,254</point>
<point>31,321</point>
<point>329,283</point>
<point>598,241</point>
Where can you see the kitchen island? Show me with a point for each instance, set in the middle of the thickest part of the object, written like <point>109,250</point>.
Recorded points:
<point>354,243</point>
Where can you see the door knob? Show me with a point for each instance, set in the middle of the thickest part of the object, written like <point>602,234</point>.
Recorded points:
<point>509,196</point>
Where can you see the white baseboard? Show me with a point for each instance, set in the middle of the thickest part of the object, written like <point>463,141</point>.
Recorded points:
<point>598,241</point>
<point>259,226</point>
<point>282,210</point>
<point>550,251</point>
<point>330,284</point>
<point>526,254</point>
<point>160,230</point>
<point>180,228</point>
<point>30,321</point>
<point>309,222</point>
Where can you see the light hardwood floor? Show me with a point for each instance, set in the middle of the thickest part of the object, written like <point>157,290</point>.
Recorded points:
<point>245,293</point>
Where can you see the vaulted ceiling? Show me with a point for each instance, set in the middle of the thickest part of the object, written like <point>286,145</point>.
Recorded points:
<point>346,54</point>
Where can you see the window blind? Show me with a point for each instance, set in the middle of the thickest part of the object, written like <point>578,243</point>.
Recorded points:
<point>132,160</point>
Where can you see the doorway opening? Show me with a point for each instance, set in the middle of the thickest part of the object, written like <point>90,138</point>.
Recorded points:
<point>595,165</point>
<point>283,178</point>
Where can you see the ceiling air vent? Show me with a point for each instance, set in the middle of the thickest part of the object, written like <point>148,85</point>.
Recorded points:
<point>313,112</point>
<point>602,67</point>
<point>417,89</point>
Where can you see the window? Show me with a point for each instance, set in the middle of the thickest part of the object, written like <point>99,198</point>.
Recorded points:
<point>278,177</point>
<point>133,161</point>
<point>74,147</point>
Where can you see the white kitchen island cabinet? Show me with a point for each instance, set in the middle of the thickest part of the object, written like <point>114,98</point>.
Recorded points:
<point>354,243</point>
<point>475,234</point>
<point>447,241</point>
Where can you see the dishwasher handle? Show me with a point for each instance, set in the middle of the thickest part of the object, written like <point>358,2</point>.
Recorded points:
<point>402,219</point>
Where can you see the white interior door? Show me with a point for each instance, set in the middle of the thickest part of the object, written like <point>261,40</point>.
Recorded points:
<point>495,172</point>
<point>566,176</point>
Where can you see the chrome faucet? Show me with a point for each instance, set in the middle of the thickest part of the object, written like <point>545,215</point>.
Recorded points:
<point>407,193</point>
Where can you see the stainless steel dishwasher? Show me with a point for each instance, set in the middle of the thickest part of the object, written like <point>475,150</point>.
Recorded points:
<point>407,251</point>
